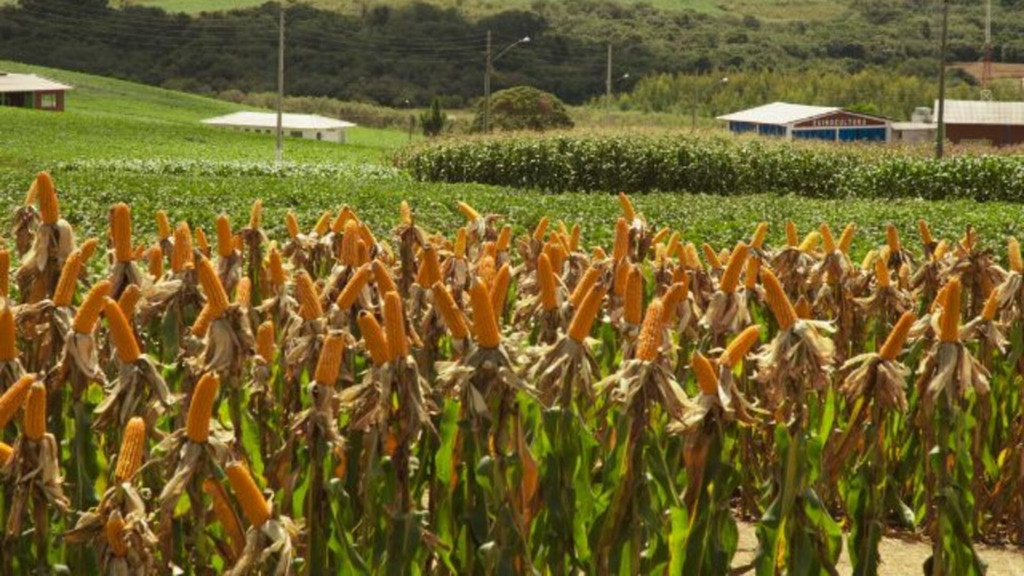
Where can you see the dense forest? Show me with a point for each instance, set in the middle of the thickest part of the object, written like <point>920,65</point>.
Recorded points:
<point>405,55</point>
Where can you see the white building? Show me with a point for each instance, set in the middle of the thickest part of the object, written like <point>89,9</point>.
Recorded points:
<point>802,122</point>
<point>309,126</point>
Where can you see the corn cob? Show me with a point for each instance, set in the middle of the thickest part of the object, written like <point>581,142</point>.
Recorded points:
<point>586,312</point>
<point>404,214</point>
<point>949,323</point>
<point>5,272</point>
<point>634,307</point>
<point>1013,248</point>
<point>156,262</point>
<point>649,341</point>
<point>731,276</point>
<point>846,239</point>
<point>671,299</point>
<point>65,291</point>
<point>660,235</point>
<point>904,276</point>
<point>810,242</point>
<point>673,245</point>
<point>486,271</point>
<point>367,236</point>
<point>291,224</point>
<point>711,256</point>
<point>350,244</point>
<point>394,327</point>
<point>453,317</point>
<point>215,294</point>
<point>121,232</point>
<point>469,212</point>
<point>485,324</point>
<point>752,273</point>
<point>308,296</point>
<point>548,286</point>
<point>202,243</point>
<point>778,302</point>
<point>499,291</point>
<point>940,298</point>
<point>382,276</point>
<point>430,267</point>
<point>33,193</point>
<point>265,341</point>
<point>200,409</point>
<point>139,252</point>
<point>373,336</point>
<point>254,506</point>
<point>14,397</point>
<point>121,334</point>
<point>940,250</point>
<point>882,277</point>
<point>89,311</point>
<point>49,207</point>
<point>328,366</point>
<point>181,255</point>
<point>163,225</point>
<point>760,233</point>
<point>898,337</point>
<point>129,300</point>
<point>792,240</point>
<point>869,260</point>
<point>345,215</point>
<point>8,337</point>
<point>35,412</point>
<point>557,254</point>
<point>504,239</point>
<point>988,314</point>
<point>628,212</point>
<point>5,453</point>
<point>347,298</point>
<point>599,253</point>
<point>892,238</point>
<point>827,238</point>
<point>256,214</point>
<point>740,347</point>
<point>925,231</point>
<point>225,514</point>
<point>460,243</point>
<point>323,225</point>
<point>225,240</point>
<point>620,249</point>
<point>574,238</point>
<point>113,531</point>
<point>704,371</point>
<point>589,279</point>
<point>243,292</point>
<point>541,229</point>
<point>203,320</point>
<point>132,446</point>
<point>803,308</point>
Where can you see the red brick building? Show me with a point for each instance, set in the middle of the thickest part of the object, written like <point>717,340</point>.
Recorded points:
<point>31,91</point>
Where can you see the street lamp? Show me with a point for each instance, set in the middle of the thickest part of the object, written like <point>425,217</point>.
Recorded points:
<point>697,95</point>
<point>487,75</point>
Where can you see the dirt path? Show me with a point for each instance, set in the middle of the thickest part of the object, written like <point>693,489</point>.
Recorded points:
<point>900,557</point>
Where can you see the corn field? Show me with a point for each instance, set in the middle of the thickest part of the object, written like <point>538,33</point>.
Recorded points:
<point>470,402</point>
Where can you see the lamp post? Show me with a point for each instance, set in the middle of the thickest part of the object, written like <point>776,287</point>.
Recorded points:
<point>487,75</point>
<point>697,94</point>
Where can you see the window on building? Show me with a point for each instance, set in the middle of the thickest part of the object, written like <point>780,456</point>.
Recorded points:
<point>48,101</point>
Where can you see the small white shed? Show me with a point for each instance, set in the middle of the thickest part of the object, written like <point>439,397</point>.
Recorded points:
<point>309,126</point>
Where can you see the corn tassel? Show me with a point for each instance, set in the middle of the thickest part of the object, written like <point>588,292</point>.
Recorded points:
<point>49,207</point>
<point>740,347</point>
<point>898,337</point>
<point>430,267</point>
<point>181,255</point>
<point>225,514</point>
<point>704,371</point>
<point>156,262</point>
<point>485,324</point>
<point>1016,263</point>
<point>760,234</point>
<point>541,229</point>
<point>35,412</point>
<point>499,291</point>
<point>200,409</point>
<point>778,302</point>
<point>14,397</point>
<point>827,238</point>
<point>254,506</point>
<point>548,285</point>
<point>394,327</point>
<point>89,311</point>
<point>225,239</point>
<point>469,212</point>
<point>308,297</point>
<point>949,323</point>
<point>129,300</point>
<point>121,334</point>
<point>328,366</point>
<point>620,249</point>
<point>586,312</point>
<point>291,224</point>
<point>649,341</point>
<point>65,291</point>
<point>731,276</point>
<point>450,313</point>
<point>882,277</point>
<point>129,459</point>
<point>348,296</point>
<point>113,531</point>
<point>634,307</point>
<point>265,341</point>
<point>892,238</point>
<point>216,297</point>
<point>8,337</point>
<point>373,336</point>
<point>121,232</point>
<point>504,239</point>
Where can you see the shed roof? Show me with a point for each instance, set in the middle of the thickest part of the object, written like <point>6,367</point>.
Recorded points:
<point>779,113</point>
<point>269,120</point>
<point>983,112</point>
<point>11,82</point>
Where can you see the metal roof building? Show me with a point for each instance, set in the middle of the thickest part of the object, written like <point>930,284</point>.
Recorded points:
<point>310,126</point>
<point>31,91</point>
<point>980,121</point>
<point>802,122</point>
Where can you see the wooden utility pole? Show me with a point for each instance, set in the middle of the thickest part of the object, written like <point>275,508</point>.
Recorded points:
<point>940,131</point>
<point>487,87</point>
<point>608,82</point>
<point>280,84</point>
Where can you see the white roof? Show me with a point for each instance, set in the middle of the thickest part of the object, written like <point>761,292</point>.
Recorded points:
<point>10,82</point>
<point>982,112</point>
<point>779,113</point>
<point>911,126</point>
<point>269,120</point>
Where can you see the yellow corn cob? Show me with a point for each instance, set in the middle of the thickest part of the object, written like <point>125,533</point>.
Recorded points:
<point>620,249</point>
<point>308,297</point>
<point>627,207</point>
<point>89,311</point>
<point>557,254</point>
<point>328,366</point>
<point>485,323</point>
<point>760,233</point>
<point>49,208</point>
<point>803,308</point>
<point>541,229</point>
<point>634,307</point>
<point>347,298</point>
<point>469,212</point>
<point>752,273</point>
<point>649,341</point>
<point>364,253</point>
<point>129,300</point>
<point>276,267</point>
<point>940,250</point>
<point>163,225</point>
<point>291,224</point>
<point>367,235</point>
<point>8,345</point>
<point>156,262</point>
<point>949,323</point>
<point>32,195</point>
<point>898,337</point>
<point>940,298</point>
<point>882,278</point>
<point>504,239</point>
<point>925,231</point>
<point>661,235</point>
<point>225,240</point>
<point>827,238</point>
<point>486,270</point>
<point>345,215</point>
<point>711,256</point>
<point>988,314</point>
<point>254,506</point>
<point>243,292</point>
<point>892,238</point>
<point>265,341</point>
<point>586,312</point>
<point>599,253</point>
<point>350,244</point>
<point>590,277</point>
<point>200,409</point>
<point>740,347</point>
<point>792,239</point>
<point>121,333</point>
<point>121,232</point>
<point>810,241</point>
<point>430,267</point>
<point>14,397</point>
<point>704,371</point>
<point>731,276</point>
<point>35,412</point>
<point>671,299</point>
<point>394,327</point>
<point>132,446</point>
<point>5,272</point>
<point>846,240</point>
<point>5,453</point>
<point>215,294</point>
<point>404,214</point>
<point>460,243</point>
<point>373,336</point>
<point>139,252</point>
<point>382,276</point>
<point>904,275</point>
<point>499,291</point>
<point>548,286</point>
<point>181,255</point>
<point>203,320</point>
<point>453,317</point>
<point>202,243</point>
<point>673,245</point>
<point>65,291</point>
<point>323,225</point>
<point>256,214</point>
<point>574,238</point>
<point>1013,249</point>
<point>779,303</point>
<point>113,531</point>
<point>621,279</point>
<point>225,514</point>
<point>869,260</point>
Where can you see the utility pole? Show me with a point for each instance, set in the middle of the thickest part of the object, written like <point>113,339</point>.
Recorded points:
<point>608,82</point>
<point>280,82</point>
<point>487,88</point>
<point>940,132</point>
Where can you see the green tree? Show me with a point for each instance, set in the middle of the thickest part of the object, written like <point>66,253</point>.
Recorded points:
<point>432,119</point>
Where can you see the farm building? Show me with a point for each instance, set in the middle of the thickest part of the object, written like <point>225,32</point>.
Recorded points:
<point>920,129</point>
<point>978,121</point>
<point>31,91</point>
<point>309,126</point>
<point>802,122</point>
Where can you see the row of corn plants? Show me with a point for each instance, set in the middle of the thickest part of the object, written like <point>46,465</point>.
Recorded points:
<point>470,402</point>
<point>713,165</point>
